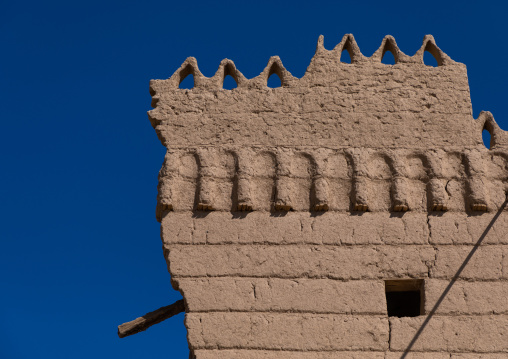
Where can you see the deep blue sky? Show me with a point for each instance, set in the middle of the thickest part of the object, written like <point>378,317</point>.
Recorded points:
<point>81,251</point>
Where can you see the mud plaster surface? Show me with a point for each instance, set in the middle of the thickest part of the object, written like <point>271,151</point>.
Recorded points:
<point>284,210</point>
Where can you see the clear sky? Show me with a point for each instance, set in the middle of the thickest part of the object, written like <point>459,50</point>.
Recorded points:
<point>81,250</point>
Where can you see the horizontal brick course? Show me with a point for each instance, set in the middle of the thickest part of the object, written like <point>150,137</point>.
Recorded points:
<point>300,261</point>
<point>277,354</point>
<point>286,331</point>
<point>460,228</point>
<point>467,297</point>
<point>334,228</point>
<point>480,334</point>
<point>411,355</point>
<point>479,356</point>
<point>485,264</point>
<point>297,228</point>
<point>337,262</point>
<point>272,294</point>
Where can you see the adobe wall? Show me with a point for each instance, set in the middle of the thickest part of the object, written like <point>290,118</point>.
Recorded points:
<point>283,211</point>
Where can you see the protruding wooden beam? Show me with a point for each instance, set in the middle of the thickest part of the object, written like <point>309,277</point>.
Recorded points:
<point>146,321</point>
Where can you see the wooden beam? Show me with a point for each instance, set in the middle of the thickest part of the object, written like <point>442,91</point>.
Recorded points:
<point>146,321</point>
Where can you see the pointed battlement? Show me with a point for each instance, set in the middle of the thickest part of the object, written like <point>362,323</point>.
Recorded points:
<point>335,104</point>
<point>348,43</point>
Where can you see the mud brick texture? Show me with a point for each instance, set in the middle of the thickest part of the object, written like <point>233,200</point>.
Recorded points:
<point>284,210</point>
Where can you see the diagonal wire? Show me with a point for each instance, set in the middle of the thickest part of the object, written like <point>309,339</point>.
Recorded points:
<point>454,279</point>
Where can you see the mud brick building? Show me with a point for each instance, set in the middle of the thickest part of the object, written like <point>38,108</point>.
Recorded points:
<point>352,213</point>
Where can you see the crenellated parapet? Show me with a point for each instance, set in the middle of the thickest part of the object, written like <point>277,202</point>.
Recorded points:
<point>363,136</point>
<point>360,104</point>
<point>291,215</point>
<point>275,66</point>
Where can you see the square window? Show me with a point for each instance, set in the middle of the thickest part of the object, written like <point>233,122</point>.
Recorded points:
<point>405,298</point>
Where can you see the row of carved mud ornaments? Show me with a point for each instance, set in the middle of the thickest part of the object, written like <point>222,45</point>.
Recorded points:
<point>283,179</point>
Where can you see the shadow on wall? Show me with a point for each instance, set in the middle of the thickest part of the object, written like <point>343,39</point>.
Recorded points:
<point>453,280</point>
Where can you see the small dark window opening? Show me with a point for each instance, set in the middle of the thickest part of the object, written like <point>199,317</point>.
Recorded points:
<point>405,298</point>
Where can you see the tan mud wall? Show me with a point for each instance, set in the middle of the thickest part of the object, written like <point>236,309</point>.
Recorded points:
<point>284,210</point>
